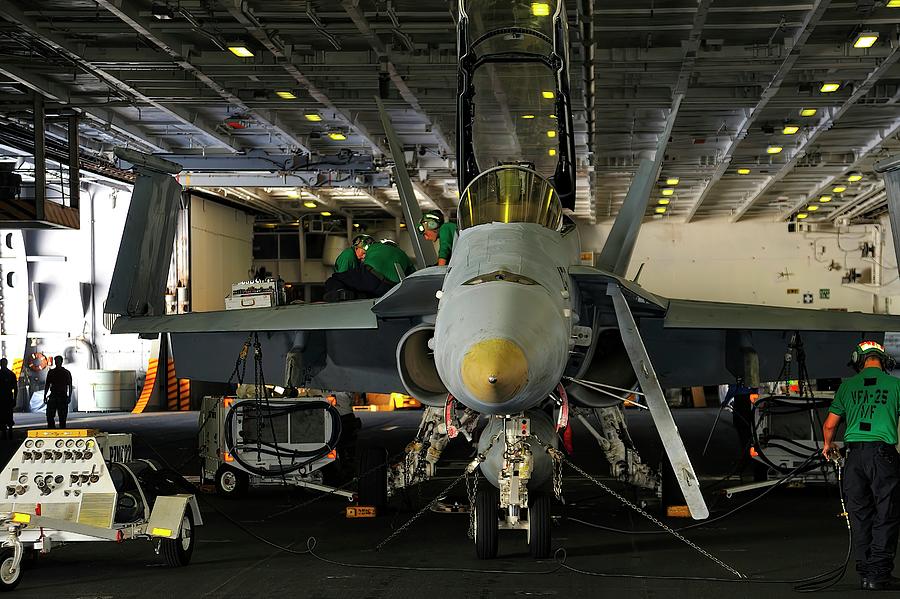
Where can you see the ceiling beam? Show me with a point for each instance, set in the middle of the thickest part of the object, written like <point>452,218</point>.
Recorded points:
<point>71,51</point>
<point>864,195</point>
<point>129,13</point>
<point>351,7</point>
<point>239,10</point>
<point>103,118</point>
<point>797,42</point>
<point>825,125</point>
<point>872,146</point>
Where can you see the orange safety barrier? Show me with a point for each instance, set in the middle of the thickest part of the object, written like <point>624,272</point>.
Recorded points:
<point>147,391</point>
<point>184,394</point>
<point>171,386</point>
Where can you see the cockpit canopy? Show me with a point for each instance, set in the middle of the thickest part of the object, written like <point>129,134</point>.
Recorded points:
<point>510,194</point>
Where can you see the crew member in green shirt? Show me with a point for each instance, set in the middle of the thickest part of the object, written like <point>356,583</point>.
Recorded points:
<point>869,402</point>
<point>375,277</point>
<point>385,257</point>
<point>433,227</point>
<point>352,256</point>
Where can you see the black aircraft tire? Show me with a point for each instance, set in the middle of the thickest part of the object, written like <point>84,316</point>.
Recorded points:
<point>373,478</point>
<point>487,525</point>
<point>231,482</point>
<point>539,524</point>
<point>8,580</point>
<point>178,552</point>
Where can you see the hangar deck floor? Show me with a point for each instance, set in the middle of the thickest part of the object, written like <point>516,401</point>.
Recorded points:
<point>790,533</point>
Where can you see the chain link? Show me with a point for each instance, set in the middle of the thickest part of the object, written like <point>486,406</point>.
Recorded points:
<point>557,455</point>
<point>472,491</point>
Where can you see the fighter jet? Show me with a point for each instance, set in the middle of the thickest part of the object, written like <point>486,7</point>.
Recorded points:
<point>513,325</point>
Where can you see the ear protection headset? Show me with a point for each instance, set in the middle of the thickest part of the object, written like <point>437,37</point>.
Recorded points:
<point>431,221</point>
<point>867,348</point>
<point>362,241</point>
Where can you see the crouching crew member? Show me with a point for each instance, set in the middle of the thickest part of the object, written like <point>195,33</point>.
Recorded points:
<point>352,256</point>
<point>375,276</point>
<point>433,227</point>
<point>869,402</point>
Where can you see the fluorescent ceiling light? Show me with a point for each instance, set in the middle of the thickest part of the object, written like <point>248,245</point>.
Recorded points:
<point>808,111</point>
<point>664,201</point>
<point>790,129</point>
<point>337,136</point>
<point>402,225</point>
<point>552,116</point>
<point>309,204</point>
<point>839,189</point>
<point>828,88</point>
<point>240,51</point>
<point>893,4</point>
<point>527,116</point>
<point>313,117</point>
<point>661,210</point>
<point>802,215</point>
<point>857,177</point>
<point>825,199</point>
<point>540,9</point>
<point>672,181</point>
<point>866,39</point>
<point>551,152</point>
<point>549,95</point>
<point>774,150</point>
<point>668,191</point>
<point>325,213</point>
<point>286,95</point>
<point>812,208</point>
<point>743,171</point>
<point>551,133</point>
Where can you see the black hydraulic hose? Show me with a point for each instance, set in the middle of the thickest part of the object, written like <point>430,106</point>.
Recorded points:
<point>306,456</point>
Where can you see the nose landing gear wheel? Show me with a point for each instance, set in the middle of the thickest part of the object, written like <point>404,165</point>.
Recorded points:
<point>178,551</point>
<point>9,578</point>
<point>539,522</point>
<point>487,524</point>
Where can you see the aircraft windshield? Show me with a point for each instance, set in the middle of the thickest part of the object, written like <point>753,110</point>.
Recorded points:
<point>511,25</point>
<point>510,194</point>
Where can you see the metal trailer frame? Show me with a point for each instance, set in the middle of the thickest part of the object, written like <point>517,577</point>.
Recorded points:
<point>214,455</point>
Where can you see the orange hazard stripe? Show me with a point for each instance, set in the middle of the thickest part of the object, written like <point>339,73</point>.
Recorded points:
<point>147,391</point>
<point>171,386</point>
<point>184,394</point>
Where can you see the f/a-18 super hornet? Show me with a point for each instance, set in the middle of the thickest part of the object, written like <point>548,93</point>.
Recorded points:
<point>513,324</point>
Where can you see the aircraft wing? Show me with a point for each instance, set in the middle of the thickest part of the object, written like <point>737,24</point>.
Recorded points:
<point>345,346</point>
<point>694,343</point>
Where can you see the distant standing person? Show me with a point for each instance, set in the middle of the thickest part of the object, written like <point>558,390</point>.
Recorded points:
<point>59,390</point>
<point>9,390</point>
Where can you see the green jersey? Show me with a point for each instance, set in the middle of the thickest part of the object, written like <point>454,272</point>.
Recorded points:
<point>446,235</point>
<point>381,257</point>
<point>346,260</point>
<point>869,402</point>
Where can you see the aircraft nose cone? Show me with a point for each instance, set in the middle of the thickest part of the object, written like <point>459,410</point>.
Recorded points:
<point>494,370</point>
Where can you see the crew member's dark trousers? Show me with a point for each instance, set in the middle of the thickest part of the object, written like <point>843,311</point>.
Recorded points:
<point>57,407</point>
<point>359,280</point>
<point>872,493</point>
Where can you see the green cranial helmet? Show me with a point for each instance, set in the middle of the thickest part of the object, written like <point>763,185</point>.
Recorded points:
<point>870,348</point>
<point>431,221</point>
<point>362,241</point>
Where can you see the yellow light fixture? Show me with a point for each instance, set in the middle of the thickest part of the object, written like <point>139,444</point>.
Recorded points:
<point>790,129</point>
<point>661,210</point>
<point>825,199</point>
<point>743,171</point>
<point>893,4</point>
<point>337,136</point>
<point>286,95</point>
<point>857,177</point>
<point>664,201</point>
<point>839,189</point>
<point>551,133</point>
<point>540,9</point>
<point>551,152</point>
<point>240,51</point>
<point>865,39</point>
<point>828,88</point>
<point>672,181</point>
<point>402,225</point>
<point>668,191</point>
<point>802,215</point>
<point>325,213</point>
<point>313,117</point>
<point>812,208</point>
<point>808,111</point>
<point>548,95</point>
<point>774,150</point>
<point>527,116</point>
<point>309,204</point>
<point>552,116</point>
